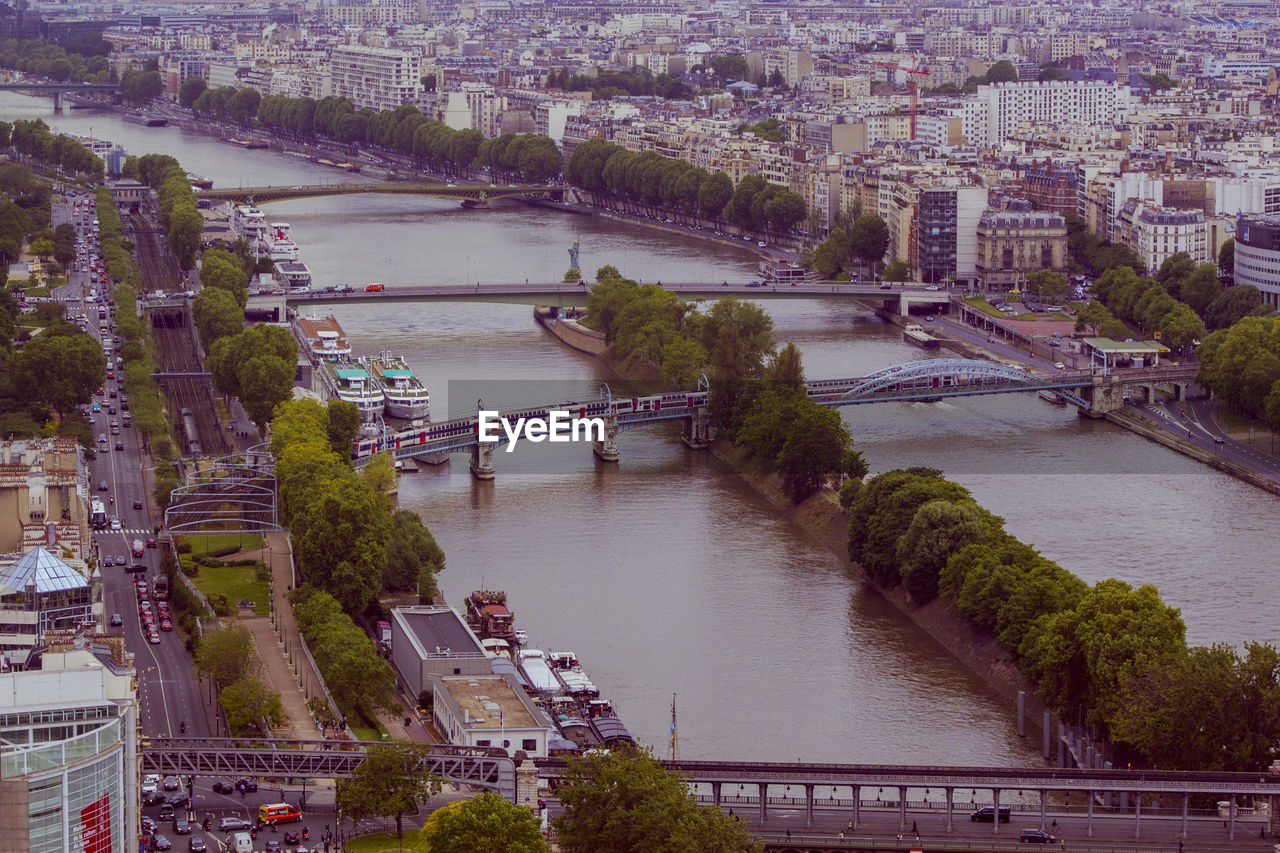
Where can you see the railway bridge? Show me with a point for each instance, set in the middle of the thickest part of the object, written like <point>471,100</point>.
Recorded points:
<point>1094,392</point>
<point>57,89</point>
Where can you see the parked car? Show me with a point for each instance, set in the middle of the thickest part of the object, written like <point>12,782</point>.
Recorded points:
<point>986,814</point>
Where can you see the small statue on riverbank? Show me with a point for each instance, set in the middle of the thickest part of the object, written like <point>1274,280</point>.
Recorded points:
<point>573,256</point>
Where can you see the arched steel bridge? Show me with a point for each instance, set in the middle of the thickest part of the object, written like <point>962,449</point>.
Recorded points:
<point>926,380</point>
<point>462,192</point>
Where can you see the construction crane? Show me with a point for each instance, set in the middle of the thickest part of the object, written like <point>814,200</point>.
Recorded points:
<point>914,71</point>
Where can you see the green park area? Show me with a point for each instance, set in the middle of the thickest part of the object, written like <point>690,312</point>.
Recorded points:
<point>380,842</point>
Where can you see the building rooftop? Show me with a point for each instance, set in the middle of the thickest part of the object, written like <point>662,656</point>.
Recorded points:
<point>1112,346</point>
<point>490,702</point>
<point>437,629</point>
<point>42,569</point>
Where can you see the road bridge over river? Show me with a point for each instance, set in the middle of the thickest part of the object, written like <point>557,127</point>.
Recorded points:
<point>899,297</point>
<point>1095,393</point>
<point>472,194</point>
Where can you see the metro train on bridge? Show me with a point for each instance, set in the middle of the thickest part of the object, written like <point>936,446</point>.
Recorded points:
<point>460,432</point>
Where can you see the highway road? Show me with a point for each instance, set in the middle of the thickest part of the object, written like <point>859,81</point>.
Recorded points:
<point>1197,421</point>
<point>168,693</point>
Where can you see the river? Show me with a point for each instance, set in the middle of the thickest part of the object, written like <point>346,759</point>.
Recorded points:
<point>666,573</point>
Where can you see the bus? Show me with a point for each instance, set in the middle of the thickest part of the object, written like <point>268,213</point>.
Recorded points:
<point>97,515</point>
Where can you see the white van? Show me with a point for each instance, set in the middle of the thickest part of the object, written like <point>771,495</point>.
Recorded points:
<point>242,842</point>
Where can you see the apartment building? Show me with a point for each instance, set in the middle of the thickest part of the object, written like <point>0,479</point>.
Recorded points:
<point>947,248</point>
<point>1016,241</point>
<point>1155,232</point>
<point>43,496</point>
<point>375,77</point>
<point>999,110</point>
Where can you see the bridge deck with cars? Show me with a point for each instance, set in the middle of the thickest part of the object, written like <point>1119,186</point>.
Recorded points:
<point>564,295</point>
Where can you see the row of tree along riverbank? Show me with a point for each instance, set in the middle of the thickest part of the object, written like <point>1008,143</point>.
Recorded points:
<point>1109,655</point>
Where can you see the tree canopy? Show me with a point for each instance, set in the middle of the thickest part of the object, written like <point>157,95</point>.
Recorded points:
<point>390,781</point>
<point>484,823</point>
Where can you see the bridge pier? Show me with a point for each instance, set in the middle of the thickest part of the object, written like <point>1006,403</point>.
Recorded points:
<point>1137,815</point>
<point>857,792</point>
<point>715,794</point>
<point>808,804</point>
<point>1186,801</point>
<point>1044,805</point>
<point>697,431</point>
<point>1088,798</point>
<point>902,809</point>
<point>57,102</point>
<point>1105,395</point>
<point>607,450</point>
<point>1231,819</point>
<point>995,823</point>
<point>482,461</point>
<point>764,802</point>
<point>950,809</point>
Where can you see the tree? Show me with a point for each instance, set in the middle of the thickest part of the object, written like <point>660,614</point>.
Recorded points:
<point>191,89</point>
<point>572,276</point>
<point>343,426</point>
<point>729,67</point>
<point>1173,270</point>
<point>1227,257</point>
<point>220,268</point>
<point>1047,283</point>
<point>815,450</point>
<point>390,781</point>
<point>485,823</point>
<point>869,239</point>
<point>61,371</point>
<point>340,534</point>
<point>265,382</point>
<point>714,195</point>
<point>938,530</point>
<point>1229,306</point>
<point>246,702</point>
<point>1207,709</point>
<point>625,802</point>
<point>42,248</point>
<point>185,227</point>
<point>216,315</point>
<point>411,551</point>
<point>899,270</point>
<point>138,87</point>
<point>1001,72</point>
<point>226,654</point>
<point>830,256</point>
<point>1201,287</point>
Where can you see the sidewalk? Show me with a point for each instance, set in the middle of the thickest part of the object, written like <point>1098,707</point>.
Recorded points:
<point>278,675</point>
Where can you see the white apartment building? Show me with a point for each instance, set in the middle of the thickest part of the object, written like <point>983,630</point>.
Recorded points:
<point>475,107</point>
<point>550,117</point>
<point>375,77</point>
<point>1155,233</point>
<point>1254,193</point>
<point>998,110</point>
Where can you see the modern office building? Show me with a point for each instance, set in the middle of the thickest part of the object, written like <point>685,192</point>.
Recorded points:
<point>68,753</point>
<point>41,594</point>
<point>375,77</point>
<point>1258,256</point>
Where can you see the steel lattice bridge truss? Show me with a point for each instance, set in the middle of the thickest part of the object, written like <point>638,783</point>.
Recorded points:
<point>916,381</point>
<point>235,494</point>
<point>484,767</point>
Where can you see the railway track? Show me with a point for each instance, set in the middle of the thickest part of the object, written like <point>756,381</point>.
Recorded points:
<point>174,338</point>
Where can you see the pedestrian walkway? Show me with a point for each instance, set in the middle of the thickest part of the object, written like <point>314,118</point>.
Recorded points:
<point>278,676</point>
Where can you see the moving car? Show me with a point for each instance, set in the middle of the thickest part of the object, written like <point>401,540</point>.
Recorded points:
<point>232,824</point>
<point>116,620</point>
<point>246,786</point>
<point>1035,836</point>
<point>221,787</point>
<point>171,783</point>
<point>195,844</point>
<point>986,814</point>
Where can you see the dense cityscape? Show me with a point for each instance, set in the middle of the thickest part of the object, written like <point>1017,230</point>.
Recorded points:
<point>926,358</point>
